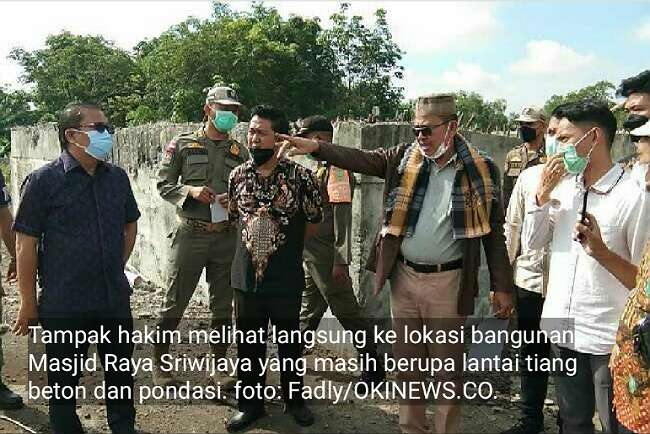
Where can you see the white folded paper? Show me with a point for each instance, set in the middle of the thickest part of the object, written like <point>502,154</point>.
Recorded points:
<point>218,212</point>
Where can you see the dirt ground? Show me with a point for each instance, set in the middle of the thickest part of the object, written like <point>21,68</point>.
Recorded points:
<point>354,416</point>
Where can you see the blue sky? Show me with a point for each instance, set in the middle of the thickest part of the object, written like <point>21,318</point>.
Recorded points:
<point>521,51</point>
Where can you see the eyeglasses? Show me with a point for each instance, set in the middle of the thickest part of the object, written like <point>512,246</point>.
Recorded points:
<point>426,130</point>
<point>100,127</point>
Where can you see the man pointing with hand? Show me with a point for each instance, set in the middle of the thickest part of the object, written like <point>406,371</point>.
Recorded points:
<point>441,202</point>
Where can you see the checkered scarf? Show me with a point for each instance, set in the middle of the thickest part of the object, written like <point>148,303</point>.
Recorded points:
<point>476,185</point>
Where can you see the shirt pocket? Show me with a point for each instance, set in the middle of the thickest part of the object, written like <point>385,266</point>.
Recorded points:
<point>66,216</point>
<point>196,167</point>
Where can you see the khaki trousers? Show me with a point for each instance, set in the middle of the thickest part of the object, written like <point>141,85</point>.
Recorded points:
<point>427,301</point>
<point>192,251</point>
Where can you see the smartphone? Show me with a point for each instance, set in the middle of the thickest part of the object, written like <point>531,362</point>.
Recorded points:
<point>583,214</point>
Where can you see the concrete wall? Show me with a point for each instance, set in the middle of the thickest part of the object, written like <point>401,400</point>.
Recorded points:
<point>138,150</point>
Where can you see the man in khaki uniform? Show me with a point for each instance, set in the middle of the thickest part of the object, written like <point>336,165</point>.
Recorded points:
<point>532,126</point>
<point>202,240</point>
<point>327,254</point>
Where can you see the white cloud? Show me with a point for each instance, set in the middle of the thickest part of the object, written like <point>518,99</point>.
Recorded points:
<point>418,27</point>
<point>27,24</point>
<point>470,77</point>
<point>464,76</point>
<point>643,32</point>
<point>550,58</point>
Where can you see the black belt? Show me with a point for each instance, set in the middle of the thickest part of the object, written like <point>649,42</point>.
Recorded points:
<point>437,268</point>
<point>204,226</point>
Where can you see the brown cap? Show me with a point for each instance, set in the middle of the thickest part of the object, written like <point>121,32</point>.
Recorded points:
<point>531,114</point>
<point>222,95</point>
<point>442,105</point>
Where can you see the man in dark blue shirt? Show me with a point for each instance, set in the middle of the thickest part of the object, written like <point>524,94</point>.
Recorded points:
<point>76,226</point>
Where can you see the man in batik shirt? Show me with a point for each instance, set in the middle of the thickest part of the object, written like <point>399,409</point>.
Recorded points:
<point>276,202</point>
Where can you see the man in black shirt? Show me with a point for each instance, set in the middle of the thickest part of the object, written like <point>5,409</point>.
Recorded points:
<point>275,202</point>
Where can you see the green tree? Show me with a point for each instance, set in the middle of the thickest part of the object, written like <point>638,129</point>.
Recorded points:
<point>268,58</point>
<point>15,110</point>
<point>367,61</point>
<point>479,114</point>
<point>79,68</point>
<point>601,91</point>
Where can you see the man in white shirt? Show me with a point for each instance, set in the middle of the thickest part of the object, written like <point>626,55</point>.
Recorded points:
<point>582,295</point>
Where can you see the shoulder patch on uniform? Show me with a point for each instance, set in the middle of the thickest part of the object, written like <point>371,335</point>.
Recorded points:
<point>338,186</point>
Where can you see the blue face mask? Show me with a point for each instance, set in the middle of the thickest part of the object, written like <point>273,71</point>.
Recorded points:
<point>100,145</point>
<point>224,121</point>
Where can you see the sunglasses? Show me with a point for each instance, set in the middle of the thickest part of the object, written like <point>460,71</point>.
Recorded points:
<point>426,131</point>
<point>100,127</point>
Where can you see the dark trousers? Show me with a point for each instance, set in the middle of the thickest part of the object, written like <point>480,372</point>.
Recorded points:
<point>533,384</point>
<point>588,390</point>
<point>120,412</point>
<point>253,313</point>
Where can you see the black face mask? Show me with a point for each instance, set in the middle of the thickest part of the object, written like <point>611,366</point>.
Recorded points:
<point>634,121</point>
<point>261,156</point>
<point>527,134</point>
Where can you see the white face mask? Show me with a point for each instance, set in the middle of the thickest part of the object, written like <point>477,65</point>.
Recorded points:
<point>442,148</point>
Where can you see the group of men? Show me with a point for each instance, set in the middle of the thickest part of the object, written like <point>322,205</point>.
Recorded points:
<point>554,277</point>
<point>274,238</point>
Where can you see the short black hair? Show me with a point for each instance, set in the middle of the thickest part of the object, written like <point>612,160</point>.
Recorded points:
<point>592,112</point>
<point>279,122</point>
<point>315,124</point>
<point>558,109</point>
<point>70,117</point>
<point>640,83</point>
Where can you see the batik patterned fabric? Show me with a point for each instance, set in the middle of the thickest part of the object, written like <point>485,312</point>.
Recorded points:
<point>630,372</point>
<point>266,206</point>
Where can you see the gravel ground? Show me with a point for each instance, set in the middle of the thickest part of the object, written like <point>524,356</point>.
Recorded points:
<point>353,416</point>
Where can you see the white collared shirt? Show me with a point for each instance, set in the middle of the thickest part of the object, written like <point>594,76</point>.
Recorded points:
<point>581,293</point>
<point>639,174</point>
